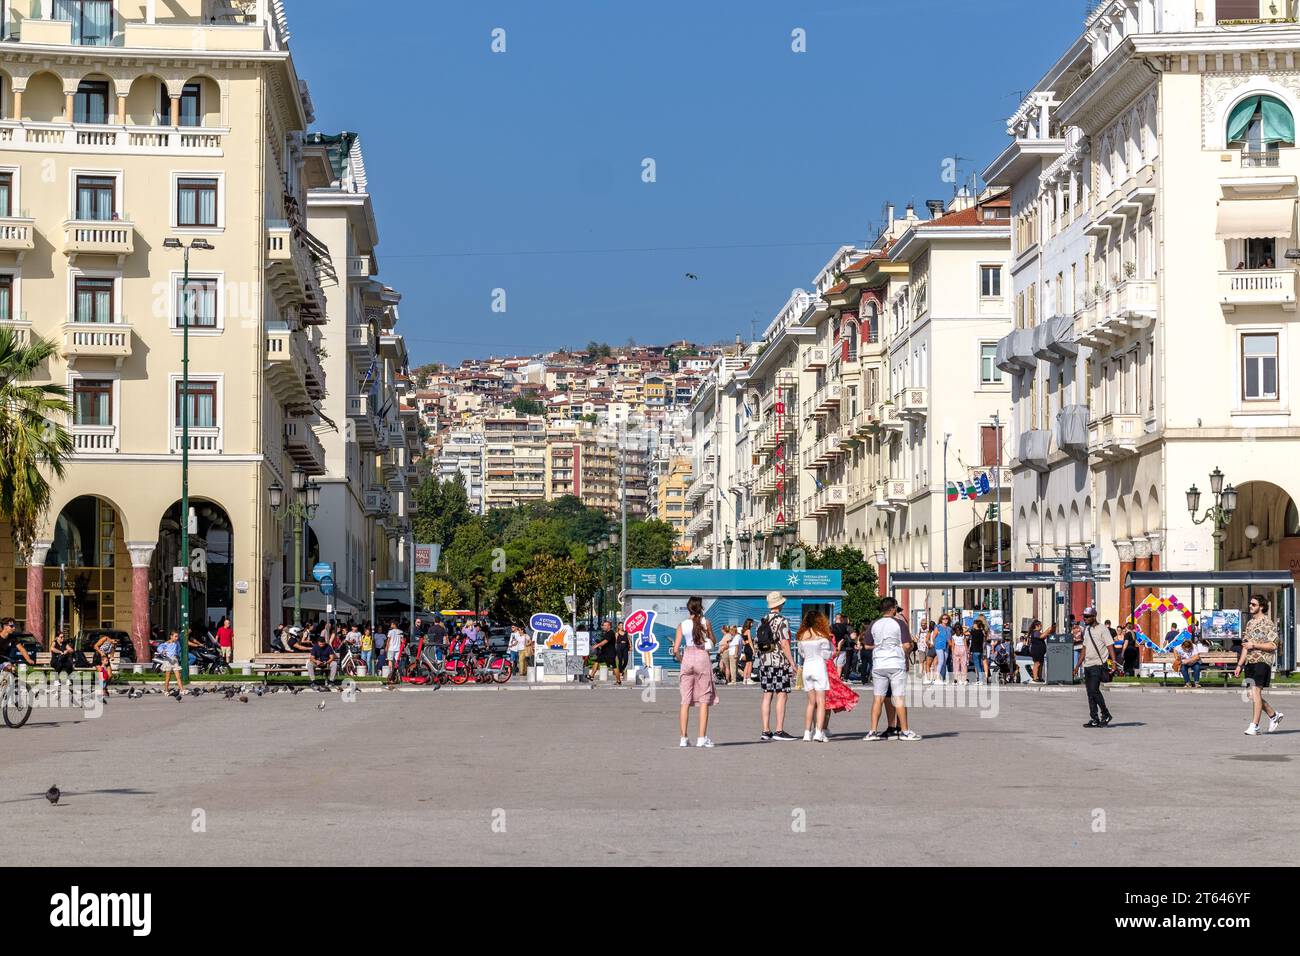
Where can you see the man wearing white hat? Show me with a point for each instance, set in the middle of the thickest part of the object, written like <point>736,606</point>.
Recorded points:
<point>775,665</point>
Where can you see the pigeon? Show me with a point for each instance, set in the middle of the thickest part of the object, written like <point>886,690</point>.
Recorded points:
<point>243,698</point>
<point>53,795</point>
<point>691,275</point>
<point>230,692</point>
<point>260,691</point>
<point>296,690</point>
<point>321,705</point>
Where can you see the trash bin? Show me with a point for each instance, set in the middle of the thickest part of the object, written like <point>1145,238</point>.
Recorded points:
<point>1059,666</point>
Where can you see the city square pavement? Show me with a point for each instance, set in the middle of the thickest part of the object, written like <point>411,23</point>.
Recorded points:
<point>595,776</point>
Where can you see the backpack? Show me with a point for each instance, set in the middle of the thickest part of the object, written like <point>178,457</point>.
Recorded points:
<point>764,639</point>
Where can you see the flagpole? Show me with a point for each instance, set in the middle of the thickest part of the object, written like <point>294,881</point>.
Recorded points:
<point>947,592</point>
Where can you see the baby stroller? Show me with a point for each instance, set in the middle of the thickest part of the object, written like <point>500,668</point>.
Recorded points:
<point>1000,662</point>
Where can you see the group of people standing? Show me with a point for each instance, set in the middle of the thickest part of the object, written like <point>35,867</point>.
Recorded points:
<point>771,646</point>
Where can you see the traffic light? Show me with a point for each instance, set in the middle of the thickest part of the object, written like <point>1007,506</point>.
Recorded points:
<point>992,514</point>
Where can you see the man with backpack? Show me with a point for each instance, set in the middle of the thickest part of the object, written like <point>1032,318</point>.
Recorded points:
<point>775,666</point>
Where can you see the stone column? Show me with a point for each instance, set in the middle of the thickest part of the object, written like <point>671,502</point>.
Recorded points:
<point>69,107</point>
<point>18,103</point>
<point>176,111</point>
<point>36,589</point>
<point>121,109</point>
<point>1125,549</point>
<point>141,559</point>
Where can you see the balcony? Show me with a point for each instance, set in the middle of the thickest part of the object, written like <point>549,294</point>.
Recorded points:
<point>1119,311</point>
<point>1015,352</point>
<point>1260,159</point>
<point>913,403</point>
<point>824,451</point>
<point>998,475</point>
<point>361,341</point>
<point>825,501</point>
<point>110,138</point>
<point>203,440</point>
<point>1054,339</point>
<point>1072,429</point>
<point>377,503</point>
<point>1112,437</point>
<point>892,494</point>
<point>21,330</point>
<point>17,235</point>
<point>94,439</point>
<point>303,446</point>
<point>291,270</point>
<point>1035,448</point>
<point>887,418</point>
<point>815,358</point>
<point>698,487</point>
<point>96,340</point>
<point>286,369</point>
<point>362,419</point>
<point>359,267</point>
<point>1267,287</point>
<point>863,423</point>
<point>824,401</point>
<point>98,238</point>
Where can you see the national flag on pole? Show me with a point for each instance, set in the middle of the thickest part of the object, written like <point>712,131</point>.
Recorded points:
<point>972,491</point>
<point>985,487</point>
<point>952,492</point>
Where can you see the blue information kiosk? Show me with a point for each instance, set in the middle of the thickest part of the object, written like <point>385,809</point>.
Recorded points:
<point>730,597</point>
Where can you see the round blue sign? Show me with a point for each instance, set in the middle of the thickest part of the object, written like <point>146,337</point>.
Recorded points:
<point>546,623</point>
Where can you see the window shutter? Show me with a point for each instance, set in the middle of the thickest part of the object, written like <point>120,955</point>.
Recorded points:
<point>1238,10</point>
<point>989,446</point>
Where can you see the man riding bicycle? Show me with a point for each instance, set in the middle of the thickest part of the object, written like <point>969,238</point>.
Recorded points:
<point>9,643</point>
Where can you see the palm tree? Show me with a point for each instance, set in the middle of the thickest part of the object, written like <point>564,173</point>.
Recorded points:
<point>32,436</point>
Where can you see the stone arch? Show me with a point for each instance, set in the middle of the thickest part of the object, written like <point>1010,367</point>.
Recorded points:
<point>212,93</point>
<point>43,98</point>
<point>211,561</point>
<point>1153,517</point>
<point>143,100</point>
<point>1137,517</point>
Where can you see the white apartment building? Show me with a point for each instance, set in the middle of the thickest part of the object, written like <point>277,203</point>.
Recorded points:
<point>1180,118</point>
<point>461,455</point>
<point>368,462</point>
<point>711,496</point>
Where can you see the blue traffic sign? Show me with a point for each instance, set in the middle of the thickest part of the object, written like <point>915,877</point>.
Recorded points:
<point>322,570</point>
<point>546,623</point>
<point>327,586</point>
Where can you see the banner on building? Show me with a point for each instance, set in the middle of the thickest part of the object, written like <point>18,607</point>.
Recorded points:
<point>427,557</point>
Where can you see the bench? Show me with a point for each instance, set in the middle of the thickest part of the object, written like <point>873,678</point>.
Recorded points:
<point>1162,665</point>
<point>42,659</point>
<point>294,662</point>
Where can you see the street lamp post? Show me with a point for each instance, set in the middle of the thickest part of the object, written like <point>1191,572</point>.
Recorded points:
<point>187,313</point>
<point>1225,503</point>
<point>300,508</point>
<point>727,543</point>
<point>614,563</point>
<point>743,540</point>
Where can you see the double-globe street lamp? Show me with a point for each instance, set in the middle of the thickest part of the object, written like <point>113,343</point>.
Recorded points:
<point>1225,504</point>
<point>185,317</point>
<point>301,508</point>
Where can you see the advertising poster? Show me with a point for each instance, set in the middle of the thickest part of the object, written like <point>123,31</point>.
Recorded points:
<point>1222,627</point>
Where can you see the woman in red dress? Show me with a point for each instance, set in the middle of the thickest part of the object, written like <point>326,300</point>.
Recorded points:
<point>841,698</point>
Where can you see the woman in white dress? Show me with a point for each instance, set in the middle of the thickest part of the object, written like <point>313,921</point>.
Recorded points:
<point>816,649</point>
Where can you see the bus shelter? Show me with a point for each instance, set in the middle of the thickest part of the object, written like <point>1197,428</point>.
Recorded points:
<point>729,597</point>
<point>1060,653</point>
<point>1218,622</point>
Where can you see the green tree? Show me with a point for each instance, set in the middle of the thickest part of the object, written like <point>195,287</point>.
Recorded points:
<point>650,544</point>
<point>542,586</point>
<point>527,406</point>
<point>858,576</point>
<point>443,508</point>
<point>439,594</point>
<point>32,436</point>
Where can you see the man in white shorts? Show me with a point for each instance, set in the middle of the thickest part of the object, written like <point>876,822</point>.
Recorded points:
<point>889,643</point>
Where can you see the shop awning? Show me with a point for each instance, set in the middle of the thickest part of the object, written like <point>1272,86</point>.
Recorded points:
<point>315,601</point>
<point>1255,218</point>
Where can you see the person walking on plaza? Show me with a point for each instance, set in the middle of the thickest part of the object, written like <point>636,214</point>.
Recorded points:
<point>1258,655</point>
<point>621,653</point>
<point>1130,656</point>
<point>889,644</point>
<point>775,667</point>
<point>367,648</point>
<point>515,648</point>
<point>978,641</point>
<point>815,648</point>
<point>601,650</point>
<point>1037,650</point>
<point>840,634</point>
<point>730,651</point>
<point>746,651</point>
<point>696,680</point>
<point>1098,655</point>
<point>940,636</point>
<point>393,645</point>
<point>169,657</point>
<point>959,643</point>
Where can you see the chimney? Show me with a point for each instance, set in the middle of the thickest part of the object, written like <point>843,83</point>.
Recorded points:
<point>889,214</point>
<point>936,207</point>
<point>911,211</point>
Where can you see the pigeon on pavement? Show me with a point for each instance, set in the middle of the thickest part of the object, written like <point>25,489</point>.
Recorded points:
<point>243,698</point>
<point>53,795</point>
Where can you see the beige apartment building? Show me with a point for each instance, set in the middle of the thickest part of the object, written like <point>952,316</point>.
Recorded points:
<point>123,125</point>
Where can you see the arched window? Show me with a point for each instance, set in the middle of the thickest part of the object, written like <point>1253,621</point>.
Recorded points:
<point>1259,125</point>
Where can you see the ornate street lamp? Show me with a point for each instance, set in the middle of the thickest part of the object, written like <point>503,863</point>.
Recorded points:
<point>300,508</point>
<point>1225,504</point>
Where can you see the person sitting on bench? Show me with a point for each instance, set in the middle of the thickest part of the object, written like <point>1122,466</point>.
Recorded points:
<point>299,640</point>
<point>322,656</point>
<point>1190,663</point>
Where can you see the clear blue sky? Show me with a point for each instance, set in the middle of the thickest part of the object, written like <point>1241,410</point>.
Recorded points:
<point>522,170</point>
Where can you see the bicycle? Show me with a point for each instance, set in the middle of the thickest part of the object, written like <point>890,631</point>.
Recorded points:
<point>351,663</point>
<point>15,697</point>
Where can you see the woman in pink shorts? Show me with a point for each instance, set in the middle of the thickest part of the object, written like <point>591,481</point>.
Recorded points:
<point>691,647</point>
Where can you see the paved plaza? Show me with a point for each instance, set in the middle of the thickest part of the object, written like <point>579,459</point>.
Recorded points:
<point>582,776</point>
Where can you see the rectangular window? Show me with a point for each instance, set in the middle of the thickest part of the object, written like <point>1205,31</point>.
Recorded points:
<point>1229,10</point>
<point>6,298</point>
<point>6,194</point>
<point>90,105</point>
<point>96,198</point>
<point>991,282</point>
<point>1259,368</point>
<point>191,105</point>
<point>196,202</point>
<point>93,300</point>
<point>202,404</point>
<point>92,402</point>
<point>92,20</point>
<point>990,374</point>
<point>196,303</point>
